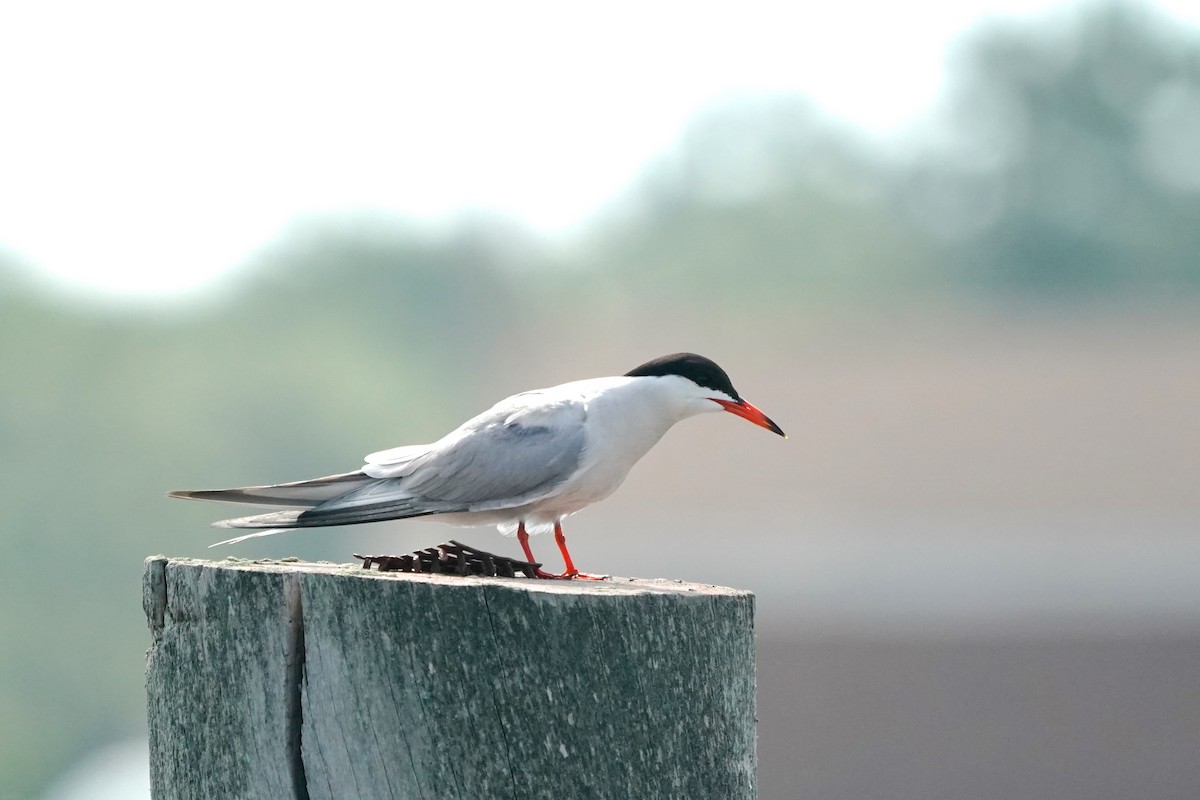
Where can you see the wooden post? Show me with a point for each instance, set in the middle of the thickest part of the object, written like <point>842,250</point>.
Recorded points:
<point>298,680</point>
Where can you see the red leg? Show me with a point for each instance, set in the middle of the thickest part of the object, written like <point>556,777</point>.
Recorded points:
<point>523,538</point>
<point>571,571</point>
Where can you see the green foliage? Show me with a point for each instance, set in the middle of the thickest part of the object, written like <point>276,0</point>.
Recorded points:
<point>765,203</point>
<point>1073,164</point>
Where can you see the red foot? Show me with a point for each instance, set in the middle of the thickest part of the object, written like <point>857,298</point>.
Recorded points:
<point>567,576</point>
<point>585,576</point>
<point>570,572</point>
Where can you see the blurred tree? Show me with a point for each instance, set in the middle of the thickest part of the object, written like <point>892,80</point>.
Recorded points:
<point>1070,154</point>
<point>764,204</point>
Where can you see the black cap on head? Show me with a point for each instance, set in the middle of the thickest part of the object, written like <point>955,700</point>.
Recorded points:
<point>697,369</point>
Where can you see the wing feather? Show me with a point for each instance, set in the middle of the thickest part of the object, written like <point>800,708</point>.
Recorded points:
<point>506,457</point>
<point>511,455</point>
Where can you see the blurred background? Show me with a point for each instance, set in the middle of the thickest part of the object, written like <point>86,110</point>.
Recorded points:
<point>953,248</point>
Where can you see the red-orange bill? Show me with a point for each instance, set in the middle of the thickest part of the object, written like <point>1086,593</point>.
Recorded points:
<point>749,412</point>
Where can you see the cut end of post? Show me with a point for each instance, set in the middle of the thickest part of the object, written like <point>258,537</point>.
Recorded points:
<point>157,566</point>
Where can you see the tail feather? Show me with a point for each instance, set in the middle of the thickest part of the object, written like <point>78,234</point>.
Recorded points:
<point>301,494</point>
<point>255,535</point>
<point>276,520</point>
<point>348,499</point>
<point>324,518</point>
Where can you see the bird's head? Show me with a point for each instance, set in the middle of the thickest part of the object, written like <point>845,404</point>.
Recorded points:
<point>706,386</point>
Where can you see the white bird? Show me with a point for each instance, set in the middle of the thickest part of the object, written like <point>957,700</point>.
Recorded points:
<point>523,465</point>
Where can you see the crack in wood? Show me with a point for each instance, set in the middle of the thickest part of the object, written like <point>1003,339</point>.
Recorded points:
<point>295,662</point>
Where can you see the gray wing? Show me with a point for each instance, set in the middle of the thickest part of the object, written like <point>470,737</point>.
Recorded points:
<point>506,457</point>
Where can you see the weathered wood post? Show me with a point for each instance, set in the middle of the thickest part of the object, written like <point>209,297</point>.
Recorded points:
<point>299,680</point>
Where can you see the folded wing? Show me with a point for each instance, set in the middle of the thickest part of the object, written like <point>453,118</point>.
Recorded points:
<point>507,457</point>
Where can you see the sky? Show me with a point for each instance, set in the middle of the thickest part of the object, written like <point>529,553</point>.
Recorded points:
<point>147,147</point>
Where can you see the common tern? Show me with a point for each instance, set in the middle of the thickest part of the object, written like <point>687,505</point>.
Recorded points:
<point>523,465</point>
